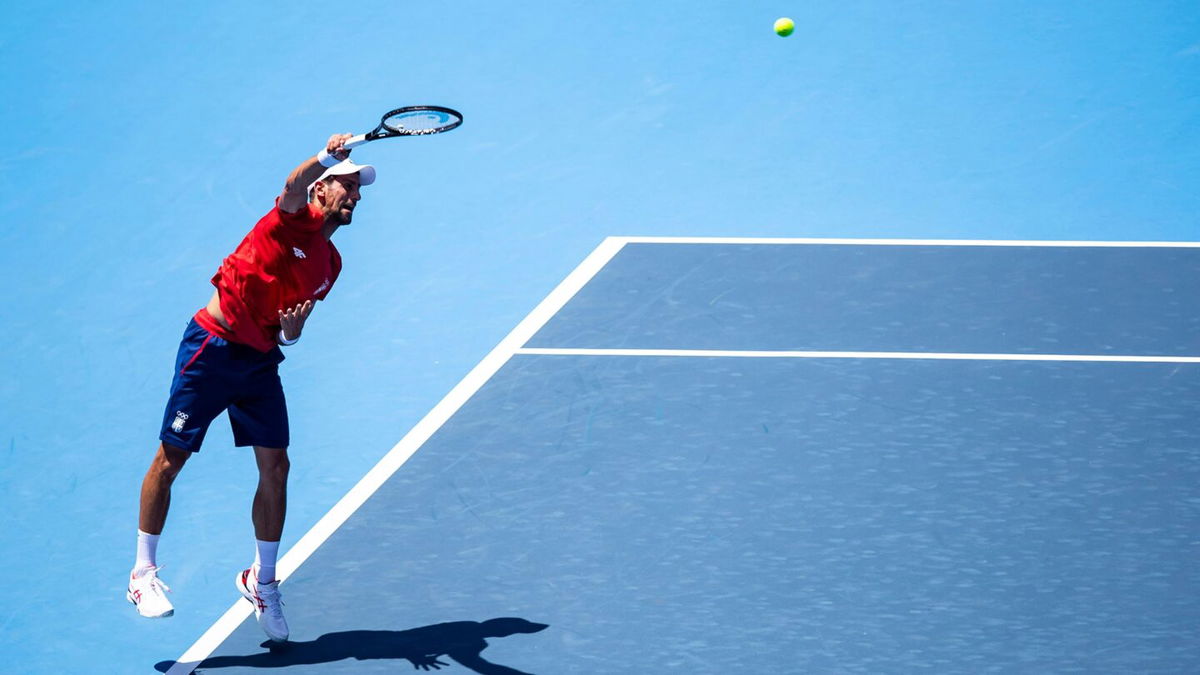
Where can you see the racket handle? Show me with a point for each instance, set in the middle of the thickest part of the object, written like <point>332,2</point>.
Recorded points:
<point>355,141</point>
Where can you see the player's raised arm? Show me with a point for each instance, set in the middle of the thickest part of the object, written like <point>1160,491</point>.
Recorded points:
<point>295,191</point>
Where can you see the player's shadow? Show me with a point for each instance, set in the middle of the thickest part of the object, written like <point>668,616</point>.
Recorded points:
<point>462,641</point>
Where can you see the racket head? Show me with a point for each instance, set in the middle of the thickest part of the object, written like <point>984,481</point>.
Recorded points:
<point>419,120</point>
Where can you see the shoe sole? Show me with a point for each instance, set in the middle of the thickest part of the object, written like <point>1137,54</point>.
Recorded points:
<point>237,581</point>
<point>169,612</point>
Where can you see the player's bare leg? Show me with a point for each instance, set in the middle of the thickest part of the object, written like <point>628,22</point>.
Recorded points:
<point>146,591</point>
<point>156,487</point>
<point>258,584</point>
<point>270,501</point>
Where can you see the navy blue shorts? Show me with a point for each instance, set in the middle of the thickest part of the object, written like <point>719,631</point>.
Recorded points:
<point>213,375</point>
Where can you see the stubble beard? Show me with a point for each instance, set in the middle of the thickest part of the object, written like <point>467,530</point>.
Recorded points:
<point>341,216</point>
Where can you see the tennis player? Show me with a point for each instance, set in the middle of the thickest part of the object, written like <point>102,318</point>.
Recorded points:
<point>228,360</point>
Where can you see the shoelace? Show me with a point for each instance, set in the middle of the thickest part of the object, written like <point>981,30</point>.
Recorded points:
<point>272,599</point>
<point>155,582</point>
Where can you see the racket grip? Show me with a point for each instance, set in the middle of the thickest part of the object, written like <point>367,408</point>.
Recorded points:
<point>355,141</point>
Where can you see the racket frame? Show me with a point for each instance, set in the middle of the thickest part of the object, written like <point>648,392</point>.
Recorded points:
<point>386,131</point>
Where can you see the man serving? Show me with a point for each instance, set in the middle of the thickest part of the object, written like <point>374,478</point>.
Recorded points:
<point>229,360</point>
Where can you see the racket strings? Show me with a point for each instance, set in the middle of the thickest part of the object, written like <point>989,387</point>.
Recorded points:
<point>418,122</point>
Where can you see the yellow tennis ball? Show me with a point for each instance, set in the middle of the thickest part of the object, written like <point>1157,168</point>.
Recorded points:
<point>784,26</point>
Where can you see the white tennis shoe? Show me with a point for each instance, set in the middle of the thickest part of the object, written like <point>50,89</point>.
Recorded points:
<point>268,606</point>
<point>148,593</point>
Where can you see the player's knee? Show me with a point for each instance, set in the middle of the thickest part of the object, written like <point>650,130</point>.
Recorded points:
<point>170,460</point>
<point>274,466</point>
<point>282,467</point>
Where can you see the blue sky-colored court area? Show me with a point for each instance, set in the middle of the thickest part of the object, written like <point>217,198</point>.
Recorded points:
<point>853,512</point>
<point>142,141</point>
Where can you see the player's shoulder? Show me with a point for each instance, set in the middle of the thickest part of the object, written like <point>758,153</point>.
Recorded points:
<point>309,217</point>
<point>306,219</point>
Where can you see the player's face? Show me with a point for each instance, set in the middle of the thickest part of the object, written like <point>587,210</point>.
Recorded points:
<point>341,196</point>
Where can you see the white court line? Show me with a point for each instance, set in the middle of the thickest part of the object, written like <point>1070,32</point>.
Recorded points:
<point>909,242</point>
<point>945,356</point>
<point>403,450</point>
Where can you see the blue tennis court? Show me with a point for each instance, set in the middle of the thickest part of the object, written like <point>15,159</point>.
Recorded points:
<point>819,396</point>
<point>787,456</point>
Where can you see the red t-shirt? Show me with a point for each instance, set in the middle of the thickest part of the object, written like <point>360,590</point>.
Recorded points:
<point>284,261</point>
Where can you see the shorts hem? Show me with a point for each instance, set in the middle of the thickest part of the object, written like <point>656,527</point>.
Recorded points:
<point>261,444</point>
<point>175,442</point>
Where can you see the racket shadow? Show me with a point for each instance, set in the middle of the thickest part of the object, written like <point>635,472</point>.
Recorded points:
<point>461,641</point>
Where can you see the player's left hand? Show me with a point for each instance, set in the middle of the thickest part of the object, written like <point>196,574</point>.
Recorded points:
<point>292,320</point>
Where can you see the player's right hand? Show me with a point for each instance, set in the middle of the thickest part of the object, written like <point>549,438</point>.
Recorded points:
<point>336,146</point>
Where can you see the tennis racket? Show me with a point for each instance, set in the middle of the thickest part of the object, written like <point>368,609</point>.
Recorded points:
<point>413,120</point>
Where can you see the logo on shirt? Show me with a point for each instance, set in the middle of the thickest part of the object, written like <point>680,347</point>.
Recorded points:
<point>322,287</point>
<point>180,419</point>
<point>299,253</point>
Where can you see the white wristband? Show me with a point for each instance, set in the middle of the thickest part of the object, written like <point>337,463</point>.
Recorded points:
<point>327,160</point>
<point>286,342</point>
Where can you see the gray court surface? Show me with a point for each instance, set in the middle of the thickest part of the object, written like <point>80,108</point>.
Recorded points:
<point>989,299</point>
<point>630,514</point>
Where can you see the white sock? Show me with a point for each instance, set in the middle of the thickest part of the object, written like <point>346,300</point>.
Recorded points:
<point>265,553</point>
<point>147,547</point>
